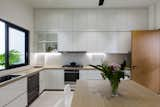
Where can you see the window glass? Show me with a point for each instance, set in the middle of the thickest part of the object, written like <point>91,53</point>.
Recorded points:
<point>16,46</point>
<point>2,45</point>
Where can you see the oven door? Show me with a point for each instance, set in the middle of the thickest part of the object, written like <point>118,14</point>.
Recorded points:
<point>71,75</point>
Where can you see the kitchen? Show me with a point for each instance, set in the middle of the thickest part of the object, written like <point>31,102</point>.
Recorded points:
<point>53,43</point>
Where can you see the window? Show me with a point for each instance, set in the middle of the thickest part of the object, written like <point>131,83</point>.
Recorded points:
<point>14,44</point>
<point>2,45</point>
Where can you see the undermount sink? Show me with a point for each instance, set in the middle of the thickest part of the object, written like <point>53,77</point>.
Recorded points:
<point>8,77</point>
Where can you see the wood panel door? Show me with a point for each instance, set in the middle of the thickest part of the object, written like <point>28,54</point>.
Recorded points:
<point>145,58</point>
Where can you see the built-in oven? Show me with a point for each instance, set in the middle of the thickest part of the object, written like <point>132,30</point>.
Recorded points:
<point>71,72</point>
<point>71,75</point>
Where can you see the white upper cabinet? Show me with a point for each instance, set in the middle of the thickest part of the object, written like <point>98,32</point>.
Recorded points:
<point>46,19</point>
<point>91,19</point>
<point>108,42</point>
<point>65,41</point>
<point>65,20</point>
<point>123,42</point>
<point>92,30</point>
<point>120,42</point>
<point>80,20</point>
<point>79,41</point>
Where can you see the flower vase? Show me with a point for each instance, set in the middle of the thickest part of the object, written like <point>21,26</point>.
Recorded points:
<point>114,86</point>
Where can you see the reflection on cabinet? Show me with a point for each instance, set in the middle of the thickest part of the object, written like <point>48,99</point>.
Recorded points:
<point>65,41</point>
<point>21,101</point>
<point>90,19</point>
<point>51,79</point>
<point>42,81</point>
<point>12,93</point>
<point>109,42</point>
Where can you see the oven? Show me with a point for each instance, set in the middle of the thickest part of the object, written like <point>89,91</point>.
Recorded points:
<point>71,76</point>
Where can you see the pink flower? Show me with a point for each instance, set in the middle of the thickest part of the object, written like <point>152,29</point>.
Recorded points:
<point>115,67</point>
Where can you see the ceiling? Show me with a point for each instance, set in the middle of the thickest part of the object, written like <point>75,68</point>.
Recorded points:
<point>90,3</point>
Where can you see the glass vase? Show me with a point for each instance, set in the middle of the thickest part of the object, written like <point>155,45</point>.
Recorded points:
<point>114,86</point>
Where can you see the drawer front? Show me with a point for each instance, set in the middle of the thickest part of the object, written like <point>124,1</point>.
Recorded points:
<point>11,91</point>
<point>19,102</point>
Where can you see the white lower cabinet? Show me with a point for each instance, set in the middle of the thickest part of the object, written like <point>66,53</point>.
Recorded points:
<point>90,75</point>
<point>42,80</point>
<point>13,92</point>
<point>21,101</point>
<point>51,79</point>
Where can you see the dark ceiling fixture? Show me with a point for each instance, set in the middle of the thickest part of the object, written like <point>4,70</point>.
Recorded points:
<point>101,2</point>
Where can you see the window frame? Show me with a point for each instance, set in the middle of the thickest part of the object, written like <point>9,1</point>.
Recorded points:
<point>11,25</point>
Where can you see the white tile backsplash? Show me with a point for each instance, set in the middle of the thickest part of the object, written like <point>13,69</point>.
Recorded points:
<point>50,59</point>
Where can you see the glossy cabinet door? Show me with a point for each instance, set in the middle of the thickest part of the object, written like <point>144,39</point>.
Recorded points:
<point>80,41</point>
<point>42,81</point>
<point>123,42</point>
<point>108,42</point>
<point>54,79</point>
<point>21,101</point>
<point>65,19</point>
<point>80,20</point>
<point>12,91</point>
<point>120,42</point>
<point>65,41</point>
<point>83,74</point>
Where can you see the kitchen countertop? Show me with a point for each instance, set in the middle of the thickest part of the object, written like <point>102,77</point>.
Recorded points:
<point>93,93</point>
<point>60,67</point>
<point>26,73</point>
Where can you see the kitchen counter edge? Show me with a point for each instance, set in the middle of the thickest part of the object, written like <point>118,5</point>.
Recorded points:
<point>32,71</point>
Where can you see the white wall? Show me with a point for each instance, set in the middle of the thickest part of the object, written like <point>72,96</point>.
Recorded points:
<point>52,59</point>
<point>19,13</point>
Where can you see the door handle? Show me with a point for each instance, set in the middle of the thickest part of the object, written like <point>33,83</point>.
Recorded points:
<point>134,67</point>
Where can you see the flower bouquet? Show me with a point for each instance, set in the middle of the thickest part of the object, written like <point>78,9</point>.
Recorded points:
<point>114,72</point>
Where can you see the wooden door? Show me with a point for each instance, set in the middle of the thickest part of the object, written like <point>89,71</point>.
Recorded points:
<point>145,58</point>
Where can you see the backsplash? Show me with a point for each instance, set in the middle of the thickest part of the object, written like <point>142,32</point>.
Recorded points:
<point>52,59</point>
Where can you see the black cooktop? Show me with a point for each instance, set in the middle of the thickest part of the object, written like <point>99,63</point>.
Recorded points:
<point>73,64</point>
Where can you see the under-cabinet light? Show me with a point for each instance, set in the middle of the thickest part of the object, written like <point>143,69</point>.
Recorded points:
<point>98,54</point>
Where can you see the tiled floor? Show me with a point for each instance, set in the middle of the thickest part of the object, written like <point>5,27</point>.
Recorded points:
<point>51,99</point>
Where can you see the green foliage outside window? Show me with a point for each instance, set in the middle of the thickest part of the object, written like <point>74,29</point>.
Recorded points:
<point>14,57</point>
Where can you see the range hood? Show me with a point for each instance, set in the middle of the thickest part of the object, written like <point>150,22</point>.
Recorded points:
<point>72,51</point>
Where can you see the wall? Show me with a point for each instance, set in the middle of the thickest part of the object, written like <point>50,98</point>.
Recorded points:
<point>19,13</point>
